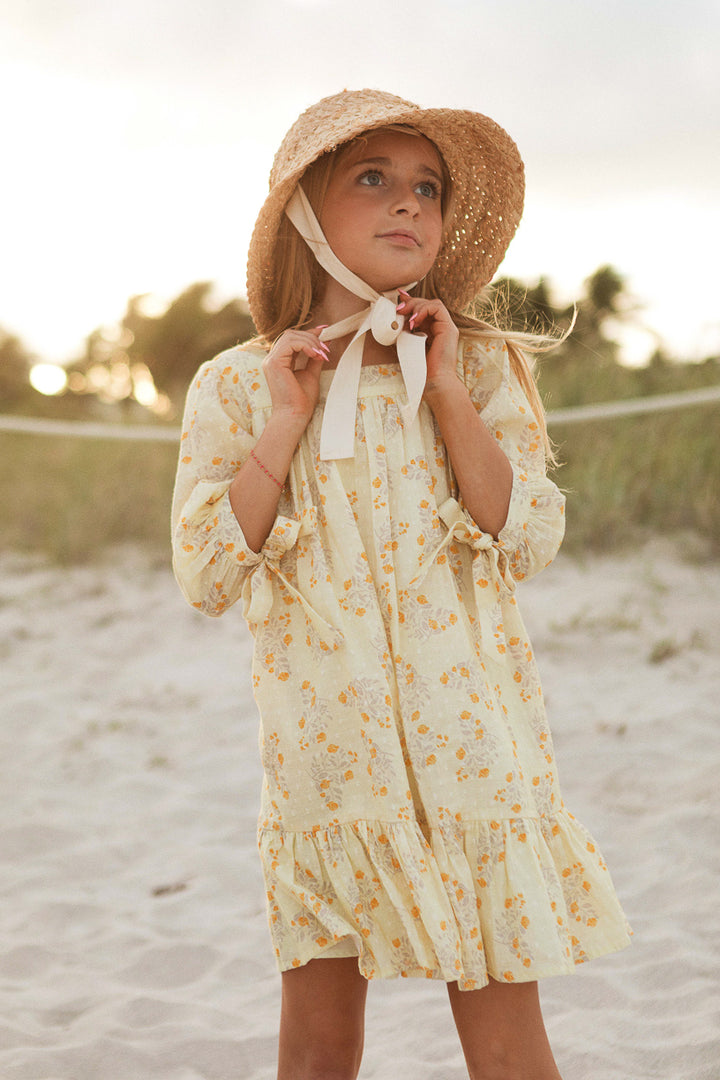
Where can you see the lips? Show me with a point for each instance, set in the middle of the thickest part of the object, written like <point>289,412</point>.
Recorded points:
<point>401,236</point>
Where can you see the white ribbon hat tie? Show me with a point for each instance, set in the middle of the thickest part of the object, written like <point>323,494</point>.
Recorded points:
<point>381,318</point>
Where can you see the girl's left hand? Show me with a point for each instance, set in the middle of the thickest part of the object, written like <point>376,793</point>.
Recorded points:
<point>431,317</point>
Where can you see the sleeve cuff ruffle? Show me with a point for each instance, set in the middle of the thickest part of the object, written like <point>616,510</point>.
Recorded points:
<point>491,568</point>
<point>527,542</point>
<point>212,561</point>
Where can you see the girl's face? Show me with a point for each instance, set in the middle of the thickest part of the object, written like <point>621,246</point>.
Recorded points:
<point>382,212</point>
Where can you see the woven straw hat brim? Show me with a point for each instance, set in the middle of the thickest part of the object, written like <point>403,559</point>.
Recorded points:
<point>483,162</point>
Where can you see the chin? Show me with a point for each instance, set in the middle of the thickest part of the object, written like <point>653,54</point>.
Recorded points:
<point>398,280</point>
<point>390,273</point>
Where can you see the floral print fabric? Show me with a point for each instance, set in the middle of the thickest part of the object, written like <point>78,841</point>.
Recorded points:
<point>411,814</point>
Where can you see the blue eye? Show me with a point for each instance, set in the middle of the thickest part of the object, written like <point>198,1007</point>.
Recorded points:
<point>429,189</point>
<point>372,178</point>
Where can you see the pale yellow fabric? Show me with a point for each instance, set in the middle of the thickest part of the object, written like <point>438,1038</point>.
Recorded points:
<point>411,813</point>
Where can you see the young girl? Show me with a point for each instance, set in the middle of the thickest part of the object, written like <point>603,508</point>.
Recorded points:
<point>369,477</point>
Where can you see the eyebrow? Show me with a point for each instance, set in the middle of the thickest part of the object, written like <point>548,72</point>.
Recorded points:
<point>427,170</point>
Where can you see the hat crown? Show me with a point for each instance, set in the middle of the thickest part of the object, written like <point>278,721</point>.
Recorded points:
<point>332,121</point>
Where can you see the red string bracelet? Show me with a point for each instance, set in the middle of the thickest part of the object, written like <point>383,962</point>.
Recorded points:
<point>267,472</point>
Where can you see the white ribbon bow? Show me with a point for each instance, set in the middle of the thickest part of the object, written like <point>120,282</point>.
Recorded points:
<point>337,437</point>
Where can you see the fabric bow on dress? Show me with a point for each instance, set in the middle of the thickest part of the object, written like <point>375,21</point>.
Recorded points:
<point>381,318</point>
<point>492,578</point>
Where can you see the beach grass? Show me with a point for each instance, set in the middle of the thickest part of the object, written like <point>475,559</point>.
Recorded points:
<point>68,497</point>
<point>656,473</point>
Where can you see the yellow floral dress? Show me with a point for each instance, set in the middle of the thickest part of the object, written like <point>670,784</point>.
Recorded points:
<point>411,814</point>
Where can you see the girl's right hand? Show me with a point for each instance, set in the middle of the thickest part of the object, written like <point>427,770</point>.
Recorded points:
<point>292,369</point>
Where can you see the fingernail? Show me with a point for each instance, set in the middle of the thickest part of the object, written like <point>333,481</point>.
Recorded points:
<point>321,354</point>
<point>403,293</point>
<point>323,327</point>
<point>400,306</point>
<point>412,320</point>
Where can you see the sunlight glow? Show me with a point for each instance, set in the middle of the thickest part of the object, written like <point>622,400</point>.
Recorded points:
<point>144,390</point>
<point>48,379</point>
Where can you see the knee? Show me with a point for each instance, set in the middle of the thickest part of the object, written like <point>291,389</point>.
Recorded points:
<point>510,1060</point>
<point>329,1063</point>
<point>498,1062</point>
<point>322,1021</point>
<point>325,1056</point>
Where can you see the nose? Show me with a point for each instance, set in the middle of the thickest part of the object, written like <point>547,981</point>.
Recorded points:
<point>406,201</point>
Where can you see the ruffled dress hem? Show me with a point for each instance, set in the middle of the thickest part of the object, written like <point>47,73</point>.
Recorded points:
<point>516,899</point>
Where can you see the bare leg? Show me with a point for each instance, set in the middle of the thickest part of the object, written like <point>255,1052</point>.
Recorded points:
<point>322,1021</point>
<point>502,1032</point>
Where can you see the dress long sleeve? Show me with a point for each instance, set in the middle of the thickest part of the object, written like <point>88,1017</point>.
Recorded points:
<point>211,558</point>
<point>535,525</point>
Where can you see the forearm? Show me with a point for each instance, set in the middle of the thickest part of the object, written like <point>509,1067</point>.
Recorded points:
<point>255,491</point>
<point>483,473</point>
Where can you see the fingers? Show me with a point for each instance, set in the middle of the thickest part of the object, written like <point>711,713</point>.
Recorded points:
<point>293,342</point>
<point>292,369</point>
<point>313,365</point>
<point>422,311</point>
<point>433,318</point>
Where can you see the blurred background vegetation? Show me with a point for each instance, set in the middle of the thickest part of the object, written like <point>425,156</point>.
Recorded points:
<point>68,497</point>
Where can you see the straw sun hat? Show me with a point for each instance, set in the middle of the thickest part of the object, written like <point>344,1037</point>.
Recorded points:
<point>483,162</point>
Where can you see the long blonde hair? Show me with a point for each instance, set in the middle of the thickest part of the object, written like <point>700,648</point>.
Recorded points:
<point>298,280</point>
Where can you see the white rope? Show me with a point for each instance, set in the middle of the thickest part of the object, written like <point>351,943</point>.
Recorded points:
<point>634,406</point>
<point>85,429</point>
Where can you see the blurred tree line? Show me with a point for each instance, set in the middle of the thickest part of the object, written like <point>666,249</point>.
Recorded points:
<point>15,364</point>
<point>145,361</point>
<point>585,367</point>
<point>143,366</point>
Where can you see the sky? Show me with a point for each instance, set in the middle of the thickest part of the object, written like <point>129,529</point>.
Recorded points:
<point>137,138</point>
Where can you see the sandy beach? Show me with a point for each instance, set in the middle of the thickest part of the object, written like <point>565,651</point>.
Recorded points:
<point>133,939</point>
